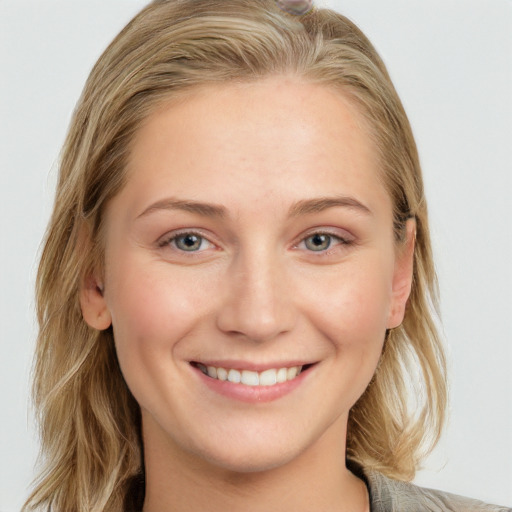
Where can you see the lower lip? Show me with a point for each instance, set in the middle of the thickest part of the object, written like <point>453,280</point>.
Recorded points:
<point>252,394</point>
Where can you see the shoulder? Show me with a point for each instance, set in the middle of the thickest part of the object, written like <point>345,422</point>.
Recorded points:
<point>388,495</point>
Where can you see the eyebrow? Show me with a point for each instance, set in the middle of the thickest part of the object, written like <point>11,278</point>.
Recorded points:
<point>204,209</point>
<point>303,207</point>
<point>307,206</point>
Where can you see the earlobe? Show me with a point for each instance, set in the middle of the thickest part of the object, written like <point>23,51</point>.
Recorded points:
<point>93,304</point>
<point>402,277</point>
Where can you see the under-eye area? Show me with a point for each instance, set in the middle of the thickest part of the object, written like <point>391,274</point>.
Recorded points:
<point>268,377</point>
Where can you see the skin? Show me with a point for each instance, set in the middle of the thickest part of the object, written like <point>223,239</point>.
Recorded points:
<point>255,292</point>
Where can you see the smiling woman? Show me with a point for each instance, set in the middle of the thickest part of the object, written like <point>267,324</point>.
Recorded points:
<point>236,294</point>
<point>254,292</point>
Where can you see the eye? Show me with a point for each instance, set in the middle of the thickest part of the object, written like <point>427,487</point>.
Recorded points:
<point>321,242</point>
<point>187,242</point>
<point>318,242</point>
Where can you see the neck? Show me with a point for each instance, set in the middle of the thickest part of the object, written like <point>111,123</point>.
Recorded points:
<point>315,480</point>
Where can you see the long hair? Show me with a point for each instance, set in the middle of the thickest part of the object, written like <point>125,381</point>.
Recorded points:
<point>91,443</point>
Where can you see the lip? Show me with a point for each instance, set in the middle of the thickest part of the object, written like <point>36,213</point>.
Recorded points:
<point>252,394</point>
<point>240,365</point>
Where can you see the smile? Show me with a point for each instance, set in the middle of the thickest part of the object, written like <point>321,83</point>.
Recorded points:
<point>269,377</point>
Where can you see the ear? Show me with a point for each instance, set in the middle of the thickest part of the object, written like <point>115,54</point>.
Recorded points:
<point>93,304</point>
<point>402,276</point>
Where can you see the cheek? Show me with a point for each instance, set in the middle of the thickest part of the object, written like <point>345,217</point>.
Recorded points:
<point>152,310</point>
<point>352,304</point>
<point>354,318</point>
<point>153,313</point>
<point>348,306</point>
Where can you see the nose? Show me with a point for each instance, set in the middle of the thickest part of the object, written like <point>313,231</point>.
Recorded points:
<point>258,302</point>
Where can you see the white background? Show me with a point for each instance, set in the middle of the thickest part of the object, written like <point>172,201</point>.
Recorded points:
<point>451,61</point>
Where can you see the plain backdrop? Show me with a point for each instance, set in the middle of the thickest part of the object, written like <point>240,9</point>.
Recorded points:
<point>451,61</point>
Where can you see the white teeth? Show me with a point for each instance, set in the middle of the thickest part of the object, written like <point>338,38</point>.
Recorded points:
<point>268,377</point>
<point>292,372</point>
<point>282,375</point>
<point>222,374</point>
<point>250,378</point>
<point>234,376</point>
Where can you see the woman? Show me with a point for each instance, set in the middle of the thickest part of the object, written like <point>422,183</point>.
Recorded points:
<point>235,295</point>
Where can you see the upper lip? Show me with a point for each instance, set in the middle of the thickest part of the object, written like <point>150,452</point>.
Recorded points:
<point>250,365</point>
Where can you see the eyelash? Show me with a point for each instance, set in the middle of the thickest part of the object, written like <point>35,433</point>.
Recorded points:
<point>171,241</point>
<point>331,246</point>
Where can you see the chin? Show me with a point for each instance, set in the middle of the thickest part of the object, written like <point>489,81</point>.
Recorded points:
<point>252,451</point>
<point>250,461</point>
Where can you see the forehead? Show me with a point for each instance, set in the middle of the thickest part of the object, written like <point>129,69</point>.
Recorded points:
<point>281,136</point>
<point>304,108</point>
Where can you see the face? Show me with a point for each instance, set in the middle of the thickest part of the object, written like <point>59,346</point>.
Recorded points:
<point>250,272</point>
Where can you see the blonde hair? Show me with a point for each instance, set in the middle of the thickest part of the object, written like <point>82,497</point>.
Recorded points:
<point>89,421</point>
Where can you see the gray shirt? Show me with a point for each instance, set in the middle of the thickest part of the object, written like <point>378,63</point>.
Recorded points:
<point>388,495</point>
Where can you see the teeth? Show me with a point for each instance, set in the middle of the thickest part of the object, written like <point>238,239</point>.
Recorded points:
<point>292,372</point>
<point>282,375</point>
<point>268,377</point>
<point>250,378</point>
<point>222,374</point>
<point>234,376</point>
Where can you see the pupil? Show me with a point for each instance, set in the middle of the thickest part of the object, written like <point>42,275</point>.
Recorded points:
<point>319,242</point>
<point>188,242</point>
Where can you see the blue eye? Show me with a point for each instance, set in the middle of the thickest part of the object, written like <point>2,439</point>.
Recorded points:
<point>187,242</point>
<point>318,242</point>
<point>321,242</point>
